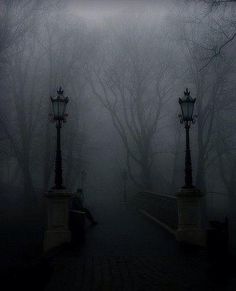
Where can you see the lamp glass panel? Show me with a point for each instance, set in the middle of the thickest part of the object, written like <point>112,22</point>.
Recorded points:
<point>56,109</point>
<point>61,109</point>
<point>187,110</point>
<point>190,110</point>
<point>184,108</point>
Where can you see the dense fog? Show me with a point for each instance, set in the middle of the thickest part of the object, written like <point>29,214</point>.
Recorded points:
<point>123,66</point>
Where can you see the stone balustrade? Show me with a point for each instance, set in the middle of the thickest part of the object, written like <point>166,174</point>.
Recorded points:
<point>161,206</point>
<point>180,214</point>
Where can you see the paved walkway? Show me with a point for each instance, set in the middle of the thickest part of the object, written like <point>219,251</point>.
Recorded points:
<point>125,251</point>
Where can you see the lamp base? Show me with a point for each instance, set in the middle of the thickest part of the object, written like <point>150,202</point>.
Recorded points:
<point>57,231</point>
<point>189,217</point>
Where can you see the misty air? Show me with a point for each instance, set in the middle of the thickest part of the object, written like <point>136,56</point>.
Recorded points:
<point>118,145</point>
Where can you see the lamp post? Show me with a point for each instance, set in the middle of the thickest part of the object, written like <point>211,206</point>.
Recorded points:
<point>57,230</point>
<point>59,104</point>
<point>189,198</point>
<point>187,117</point>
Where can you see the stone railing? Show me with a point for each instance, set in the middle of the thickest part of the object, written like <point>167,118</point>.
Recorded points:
<point>181,215</point>
<point>161,207</point>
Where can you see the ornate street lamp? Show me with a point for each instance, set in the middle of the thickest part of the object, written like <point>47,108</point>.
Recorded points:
<point>59,104</point>
<point>189,198</point>
<point>187,117</point>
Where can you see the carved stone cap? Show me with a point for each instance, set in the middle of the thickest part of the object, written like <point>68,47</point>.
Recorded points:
<point>189,192</point>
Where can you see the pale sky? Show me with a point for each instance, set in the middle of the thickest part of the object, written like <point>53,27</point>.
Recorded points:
<point>100,9</point>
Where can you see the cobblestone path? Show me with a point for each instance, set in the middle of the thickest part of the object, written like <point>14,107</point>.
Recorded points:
<point>125,251</point>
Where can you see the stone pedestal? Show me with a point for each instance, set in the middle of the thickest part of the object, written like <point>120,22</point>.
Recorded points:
<point>57,231</point>
<point>189,217</point>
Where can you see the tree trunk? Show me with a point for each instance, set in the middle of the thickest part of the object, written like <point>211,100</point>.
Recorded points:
<point>146,176</point>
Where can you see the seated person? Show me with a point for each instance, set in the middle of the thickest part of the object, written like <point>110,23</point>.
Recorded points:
<point>77,204</point>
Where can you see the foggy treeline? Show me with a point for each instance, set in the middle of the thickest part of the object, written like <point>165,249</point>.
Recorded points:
<point>123,68</point>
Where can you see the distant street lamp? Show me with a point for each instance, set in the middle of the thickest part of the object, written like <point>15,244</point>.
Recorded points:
<point>59,104</point>
<point>187,117</point>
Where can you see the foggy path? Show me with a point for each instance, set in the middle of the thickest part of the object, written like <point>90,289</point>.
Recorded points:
<point>125,251</point>
<point>122,231</point>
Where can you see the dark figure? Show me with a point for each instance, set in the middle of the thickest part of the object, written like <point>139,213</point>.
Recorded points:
<point>77,204</point>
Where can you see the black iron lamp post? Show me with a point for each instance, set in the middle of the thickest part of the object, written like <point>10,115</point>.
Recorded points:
<point>59,104</point>
<point>187,117</point>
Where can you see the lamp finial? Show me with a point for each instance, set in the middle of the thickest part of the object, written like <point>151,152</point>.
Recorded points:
<point>60,91</point>
<point>187,92</point>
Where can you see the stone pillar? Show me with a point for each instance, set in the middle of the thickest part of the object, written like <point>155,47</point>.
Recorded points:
<point>57,231</point>
<point>189,217</point>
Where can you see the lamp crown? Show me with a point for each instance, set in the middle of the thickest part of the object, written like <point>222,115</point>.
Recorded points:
<point>187,92</point>
<point>60,91</point>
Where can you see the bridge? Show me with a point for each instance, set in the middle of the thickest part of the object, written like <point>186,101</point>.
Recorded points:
<point>130,250</point>
<point>133,247</point>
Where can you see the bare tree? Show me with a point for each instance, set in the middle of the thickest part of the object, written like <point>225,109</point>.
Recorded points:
<point>133,85</point>
<point>16,18</point>
<point>20,125</point>
<point>222,17</point>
